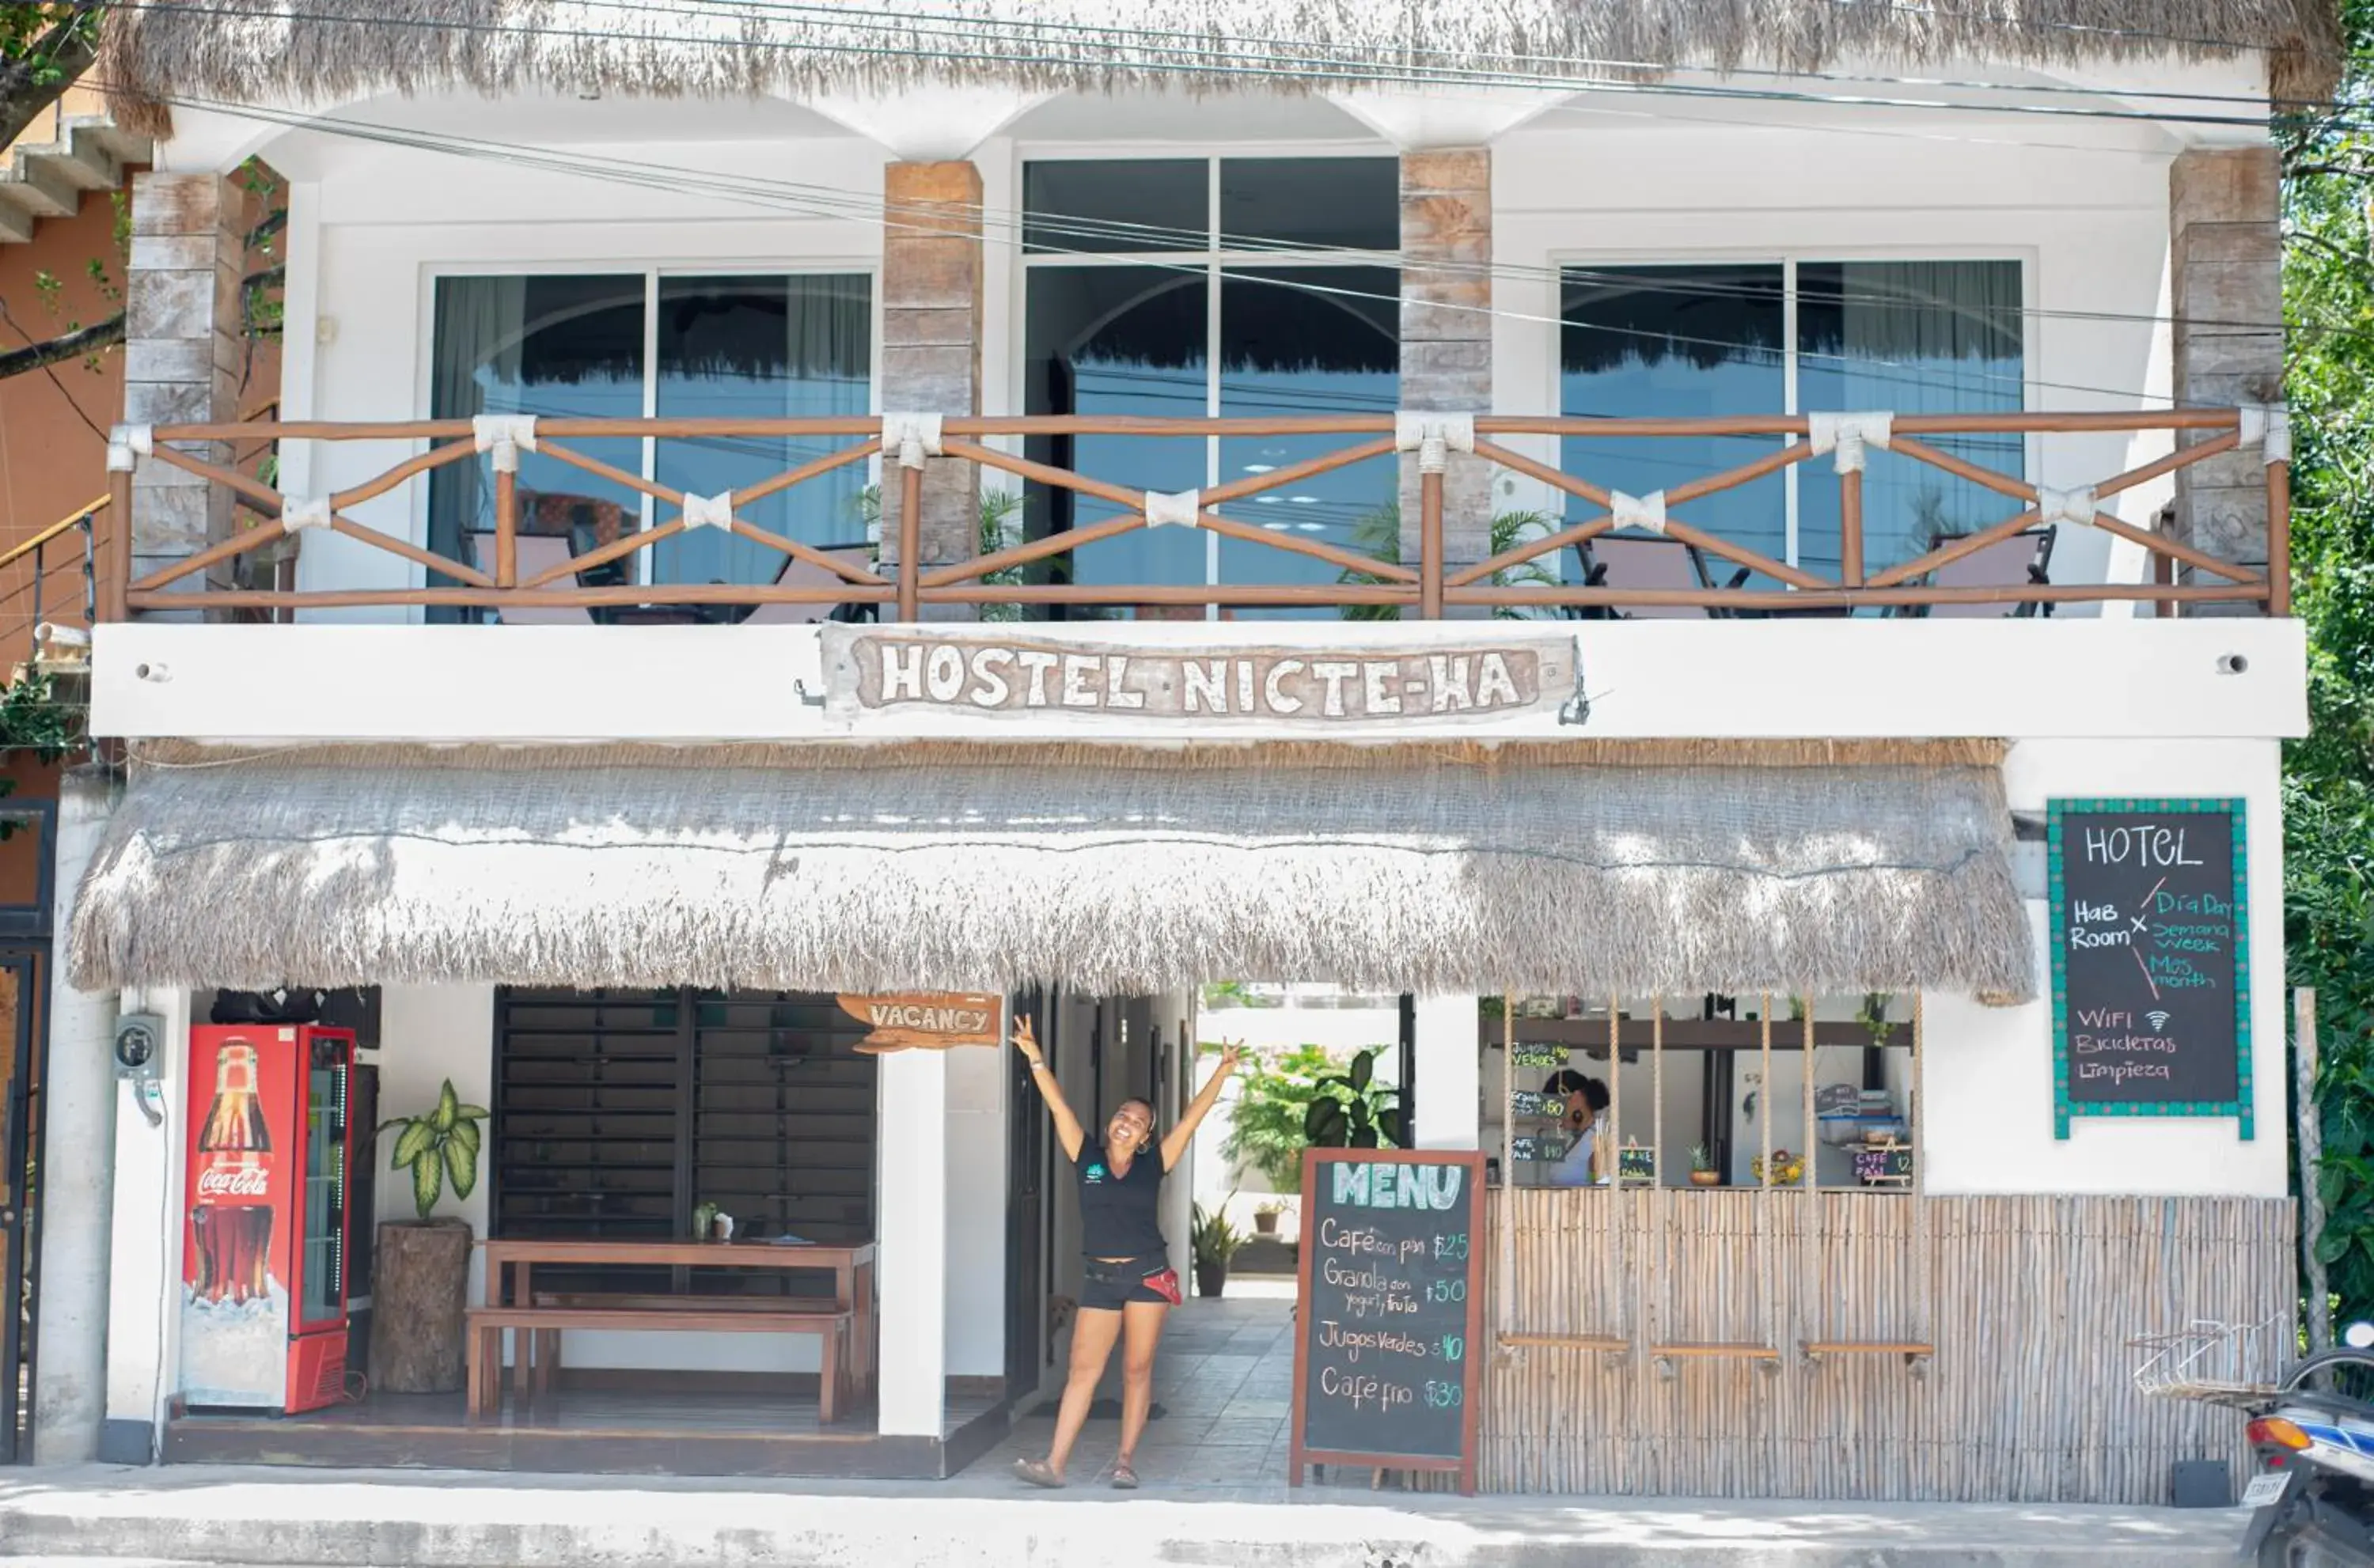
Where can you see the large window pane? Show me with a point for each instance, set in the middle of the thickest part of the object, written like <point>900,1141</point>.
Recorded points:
<point>1311,202</point>
<point>1915,338</point>
<point>1677,342</point>
<point>760,349</point>
<point>556,347</point>
<point>1117,339</point>
<point>1118,205</point>
<point>1304,341</point>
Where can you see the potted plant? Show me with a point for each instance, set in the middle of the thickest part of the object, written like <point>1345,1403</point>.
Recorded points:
<point>1702,1171</point>
<point>420,1291</point>
<point>1214,1242</point>
<point>1265,1217</point>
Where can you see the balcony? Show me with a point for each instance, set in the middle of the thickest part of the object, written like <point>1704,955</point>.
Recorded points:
<point>1616,555</point>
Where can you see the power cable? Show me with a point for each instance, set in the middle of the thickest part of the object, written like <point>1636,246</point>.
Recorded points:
<point>822,201</point>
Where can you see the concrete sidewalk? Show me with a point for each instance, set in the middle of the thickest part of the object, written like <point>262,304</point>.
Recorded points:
<point>421,1519</point>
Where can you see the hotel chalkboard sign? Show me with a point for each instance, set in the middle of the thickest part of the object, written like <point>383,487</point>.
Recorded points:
<point>1390,1319</point>
<point>2151,966</point>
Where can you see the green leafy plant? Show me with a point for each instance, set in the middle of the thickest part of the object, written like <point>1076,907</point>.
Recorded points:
<point>1874,1017</point>
<point>2328,158</point>
<point>1211,1237</point>
<point>1001,529</point>
<point>1351,1110</point>
<point>438,1147</point>
<point>1700,1159</point>
<point>1380,535</point>
<point>1266,1123</point>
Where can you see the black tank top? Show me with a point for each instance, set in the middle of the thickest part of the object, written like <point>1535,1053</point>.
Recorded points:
<point>1119,1215</point>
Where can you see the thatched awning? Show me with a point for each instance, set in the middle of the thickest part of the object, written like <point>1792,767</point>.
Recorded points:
<point>1575,868</point>
<point>309,49</point>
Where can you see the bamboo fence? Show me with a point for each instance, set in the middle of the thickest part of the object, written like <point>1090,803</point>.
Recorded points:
<point>2026,1305</point>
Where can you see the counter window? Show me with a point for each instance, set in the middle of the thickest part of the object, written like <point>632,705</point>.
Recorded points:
<point>1710,1091</point>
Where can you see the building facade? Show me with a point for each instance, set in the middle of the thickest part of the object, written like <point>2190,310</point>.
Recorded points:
<point>1642,564</point>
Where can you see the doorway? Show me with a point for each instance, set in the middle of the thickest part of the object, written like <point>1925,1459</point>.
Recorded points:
<point>28,862</point>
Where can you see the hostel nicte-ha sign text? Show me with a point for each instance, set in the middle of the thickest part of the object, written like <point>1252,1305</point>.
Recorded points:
<point>2151,970</point>
<point>989,678</point>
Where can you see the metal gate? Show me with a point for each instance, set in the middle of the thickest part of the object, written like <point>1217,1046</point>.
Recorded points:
<point>24,1034</point>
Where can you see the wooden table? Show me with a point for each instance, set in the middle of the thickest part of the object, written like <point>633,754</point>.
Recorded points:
<point>512,1264</point>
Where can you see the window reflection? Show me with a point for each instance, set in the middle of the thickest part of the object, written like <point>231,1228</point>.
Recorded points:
<point>1915,338</point>
<point>759,348</point>
<point>556,347</point>
<point>1138,339</point>
<point>569,346</point>
<point>1288,351</point>
<point>1120,341</point>
<point>1677,342</point>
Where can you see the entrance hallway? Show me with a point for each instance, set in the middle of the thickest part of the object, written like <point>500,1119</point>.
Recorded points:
<point>1224,1382</point>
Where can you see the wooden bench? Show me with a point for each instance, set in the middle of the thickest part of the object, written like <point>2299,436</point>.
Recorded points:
<point>539,1329</point>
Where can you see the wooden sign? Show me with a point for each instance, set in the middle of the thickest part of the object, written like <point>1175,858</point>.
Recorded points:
<point>924,1021</point>
<point>1346,683</point>
<point>2151,970</point>
<point>1390,1311</point>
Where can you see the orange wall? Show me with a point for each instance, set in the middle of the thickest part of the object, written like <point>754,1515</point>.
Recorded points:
<point>53,460</point>
<point>52,426</point>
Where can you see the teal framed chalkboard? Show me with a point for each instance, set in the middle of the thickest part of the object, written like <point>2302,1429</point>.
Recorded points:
<point>2151,959</point>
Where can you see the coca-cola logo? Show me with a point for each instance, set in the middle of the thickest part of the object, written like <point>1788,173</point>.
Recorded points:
<point>248,1181</point>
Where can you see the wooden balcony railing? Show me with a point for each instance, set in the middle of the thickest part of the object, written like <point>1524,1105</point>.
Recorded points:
<point>1426,589</point>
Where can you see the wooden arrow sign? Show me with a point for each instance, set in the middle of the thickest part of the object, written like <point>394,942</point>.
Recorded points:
<point>923,1020</point>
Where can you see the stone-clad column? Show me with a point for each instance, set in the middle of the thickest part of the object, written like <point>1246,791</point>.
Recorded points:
<point>182,352</point>
<point>2225,276</point>
<point>1446,354</point>
<point>931,347</point>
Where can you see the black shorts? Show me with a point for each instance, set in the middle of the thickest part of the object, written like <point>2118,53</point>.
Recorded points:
<point>1108,1287</point>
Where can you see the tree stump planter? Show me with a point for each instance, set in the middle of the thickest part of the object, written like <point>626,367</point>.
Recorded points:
<point>419,1296</point>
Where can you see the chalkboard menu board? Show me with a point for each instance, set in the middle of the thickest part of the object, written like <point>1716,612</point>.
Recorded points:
<point>2151,967</point>
<point>1391,1319</point>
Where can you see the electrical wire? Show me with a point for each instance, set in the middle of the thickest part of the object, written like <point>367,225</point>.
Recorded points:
<point>824,202</point>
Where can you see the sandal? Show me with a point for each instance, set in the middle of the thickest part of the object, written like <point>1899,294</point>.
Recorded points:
<point>1035,1472</point>
<point>1124,1479</point>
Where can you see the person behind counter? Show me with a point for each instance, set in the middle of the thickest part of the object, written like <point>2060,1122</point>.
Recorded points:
<point>1586,1116</point>
<point>1130,1286</point>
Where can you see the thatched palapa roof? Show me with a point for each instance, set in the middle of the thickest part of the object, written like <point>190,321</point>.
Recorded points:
<point>306,50</point>
<point>1582,867</point>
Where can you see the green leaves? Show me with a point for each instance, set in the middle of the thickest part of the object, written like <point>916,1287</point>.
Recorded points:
<point>439,1147</point>
<point>1302,1101</point>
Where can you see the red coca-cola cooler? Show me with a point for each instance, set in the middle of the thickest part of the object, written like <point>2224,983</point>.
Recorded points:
<point>264,1254</point>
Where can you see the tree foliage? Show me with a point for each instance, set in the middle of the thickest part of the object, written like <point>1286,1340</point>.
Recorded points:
<point>2329,776</point>
<point>44,49</point>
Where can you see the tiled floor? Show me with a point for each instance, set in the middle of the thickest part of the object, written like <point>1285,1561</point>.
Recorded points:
<point>1223,1379</point>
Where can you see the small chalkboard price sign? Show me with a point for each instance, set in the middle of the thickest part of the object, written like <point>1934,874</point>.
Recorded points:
<point>2151,967</point>
<point>1390,1322</point>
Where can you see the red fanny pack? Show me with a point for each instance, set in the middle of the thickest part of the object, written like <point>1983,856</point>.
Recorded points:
<point>1166,1285</point>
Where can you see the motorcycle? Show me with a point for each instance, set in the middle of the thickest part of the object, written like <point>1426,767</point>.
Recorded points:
<point>2312,1500</point>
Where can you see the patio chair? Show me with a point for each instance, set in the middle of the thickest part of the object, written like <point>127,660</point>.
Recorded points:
<point>536,553</point>
<point>1615,560</point>
<point>797,573</point>
<point>2017,561</point>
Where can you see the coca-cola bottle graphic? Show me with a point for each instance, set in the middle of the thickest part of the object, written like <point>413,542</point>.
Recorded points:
<point>231,1212</point>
